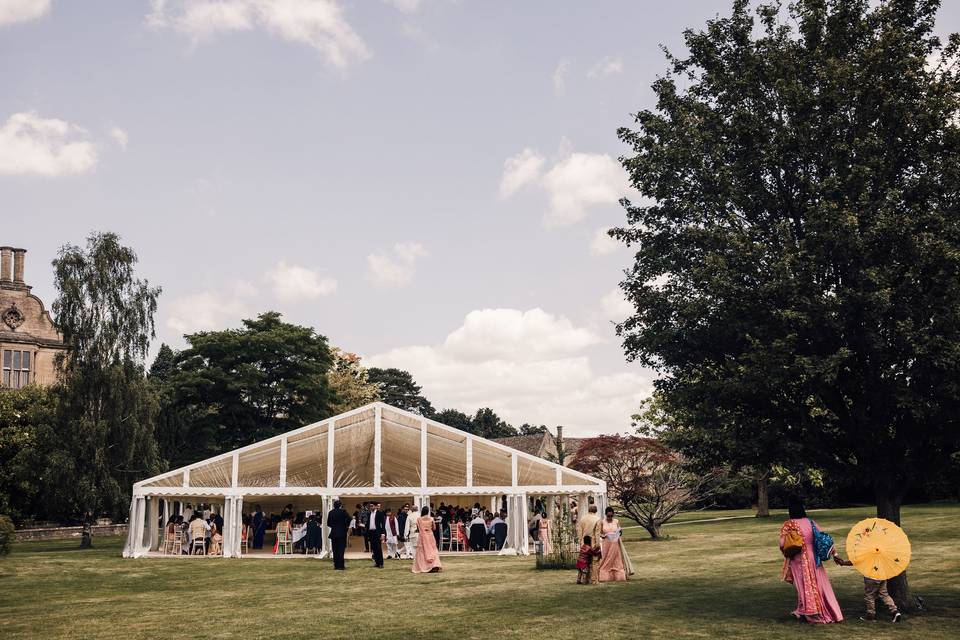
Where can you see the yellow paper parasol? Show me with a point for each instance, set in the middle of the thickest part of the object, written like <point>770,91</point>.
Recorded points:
<point>878,548</point>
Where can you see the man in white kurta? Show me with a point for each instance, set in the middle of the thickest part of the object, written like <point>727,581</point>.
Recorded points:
<point>392,526</point>
<point>410,535</point>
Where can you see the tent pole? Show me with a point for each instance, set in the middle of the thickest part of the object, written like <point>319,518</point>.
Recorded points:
<point>377,444</point>
<point>330,431</point>
<point>423,455</point>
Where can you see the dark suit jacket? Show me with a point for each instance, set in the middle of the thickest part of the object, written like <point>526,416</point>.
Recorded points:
<point>339,521</point>
<point>380,525</point>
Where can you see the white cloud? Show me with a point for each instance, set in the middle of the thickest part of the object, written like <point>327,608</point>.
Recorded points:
<point>293,282</point>
<point>527,366</point>
<point>582,180</point>
<point>120,136</point>
<point>406,6</point>
<point>520,170</point>
<point>615,307</point>
<point>317,23</point>
<point>519,335</point>
<point>205,311</point>
<point>560,77</point>
<point>30,144</point>
<point>395,270</point>
<point>13,11</point>
<point>602,244</point>
<point>574,183</point>
<point>606,67</point>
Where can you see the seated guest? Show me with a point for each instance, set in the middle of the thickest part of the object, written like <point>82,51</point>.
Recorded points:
<point>216,540</point>
<point>287,513</point>
<point>314,537</point>
<point>499,528</point>
<point>218,519</point>
<point>198,529</point>
<point>478,533</point>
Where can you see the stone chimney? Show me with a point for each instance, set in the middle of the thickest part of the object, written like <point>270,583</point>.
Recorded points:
<point>6,263</point>
<point>18,256</point>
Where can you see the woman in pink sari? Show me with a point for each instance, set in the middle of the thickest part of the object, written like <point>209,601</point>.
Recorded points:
<point>815,600</point>
<point>427,558</point>
<point>614,563</point>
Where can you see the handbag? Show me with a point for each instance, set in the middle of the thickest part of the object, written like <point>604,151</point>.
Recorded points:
<point>792,542</point>
<point>822,543</point>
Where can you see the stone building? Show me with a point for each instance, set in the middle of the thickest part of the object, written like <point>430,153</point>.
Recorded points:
<point>29,341</point>
<point>545,445</point>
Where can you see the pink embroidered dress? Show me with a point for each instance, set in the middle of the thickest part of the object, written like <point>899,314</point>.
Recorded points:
<point>427,557</point>
<point>815,599</point>
<point>544,537</point>
<point>612,567</point>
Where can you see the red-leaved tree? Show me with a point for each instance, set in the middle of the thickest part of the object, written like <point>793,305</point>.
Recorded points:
<point>644,477</point>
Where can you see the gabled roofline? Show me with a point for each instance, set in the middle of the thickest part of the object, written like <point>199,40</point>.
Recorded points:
<point>367,407</point>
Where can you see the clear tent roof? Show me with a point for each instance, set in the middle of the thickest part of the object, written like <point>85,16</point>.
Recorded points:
<point>302,459</point>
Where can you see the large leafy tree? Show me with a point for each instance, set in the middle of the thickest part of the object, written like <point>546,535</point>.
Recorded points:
<point>27,437</point>
<point>804,183</point>
<point>106,409</point>
<point>488,424</point>
<point>171,426</point>
<point>398,388</point>
<point>350,382</point>
<point>455,419</point>
<point>236,386</point>
<point>527,429</point>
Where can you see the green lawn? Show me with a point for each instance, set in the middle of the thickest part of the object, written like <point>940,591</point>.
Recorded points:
<point>709,580</point>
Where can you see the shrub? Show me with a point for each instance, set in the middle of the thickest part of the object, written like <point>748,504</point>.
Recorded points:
<point>6,534</point>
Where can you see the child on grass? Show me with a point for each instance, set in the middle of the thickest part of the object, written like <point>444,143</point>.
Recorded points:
<point>585,559</point>
<point>871,590</point>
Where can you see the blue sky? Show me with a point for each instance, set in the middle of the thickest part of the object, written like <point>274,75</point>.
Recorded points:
<point>421,181</point>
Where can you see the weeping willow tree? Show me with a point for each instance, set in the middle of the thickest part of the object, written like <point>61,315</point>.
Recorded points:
<point>107,410</point>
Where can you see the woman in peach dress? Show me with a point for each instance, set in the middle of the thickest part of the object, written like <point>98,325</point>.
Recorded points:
<point>544,536</point>
<point>427,558</point>
<point>614,563</point>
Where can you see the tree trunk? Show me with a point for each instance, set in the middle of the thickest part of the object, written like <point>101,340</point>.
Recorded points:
<point>653,528</point>
<point>888,507</point>
<point>763,494</point>
<point>86,537</point>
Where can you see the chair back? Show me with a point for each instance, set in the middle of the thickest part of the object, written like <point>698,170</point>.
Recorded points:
<point>478,535</point>
<point>500,533</point>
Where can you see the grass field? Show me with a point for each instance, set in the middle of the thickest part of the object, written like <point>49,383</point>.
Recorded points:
<point>709,580</point>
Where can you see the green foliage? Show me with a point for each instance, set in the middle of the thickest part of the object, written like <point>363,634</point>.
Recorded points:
<point>797,273</point>
<point>488,424</point>
<point>532,430</point>
<point>236,386</point>
<point>455,419</point>
<point>106,409</point>
<point>350,382</point>
<point>163,365</point>
<point>6,534</point>
<point>27,437</point>
<point>398,388</point>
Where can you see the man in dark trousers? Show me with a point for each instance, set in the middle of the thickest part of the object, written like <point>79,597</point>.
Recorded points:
<point>339,522</point>
<point>376,533</point>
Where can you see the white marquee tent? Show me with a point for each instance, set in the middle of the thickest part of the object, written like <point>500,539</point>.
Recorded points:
<point>375,451</point>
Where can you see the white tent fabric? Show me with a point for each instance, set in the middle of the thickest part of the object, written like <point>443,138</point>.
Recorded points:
<point>374,451</point>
